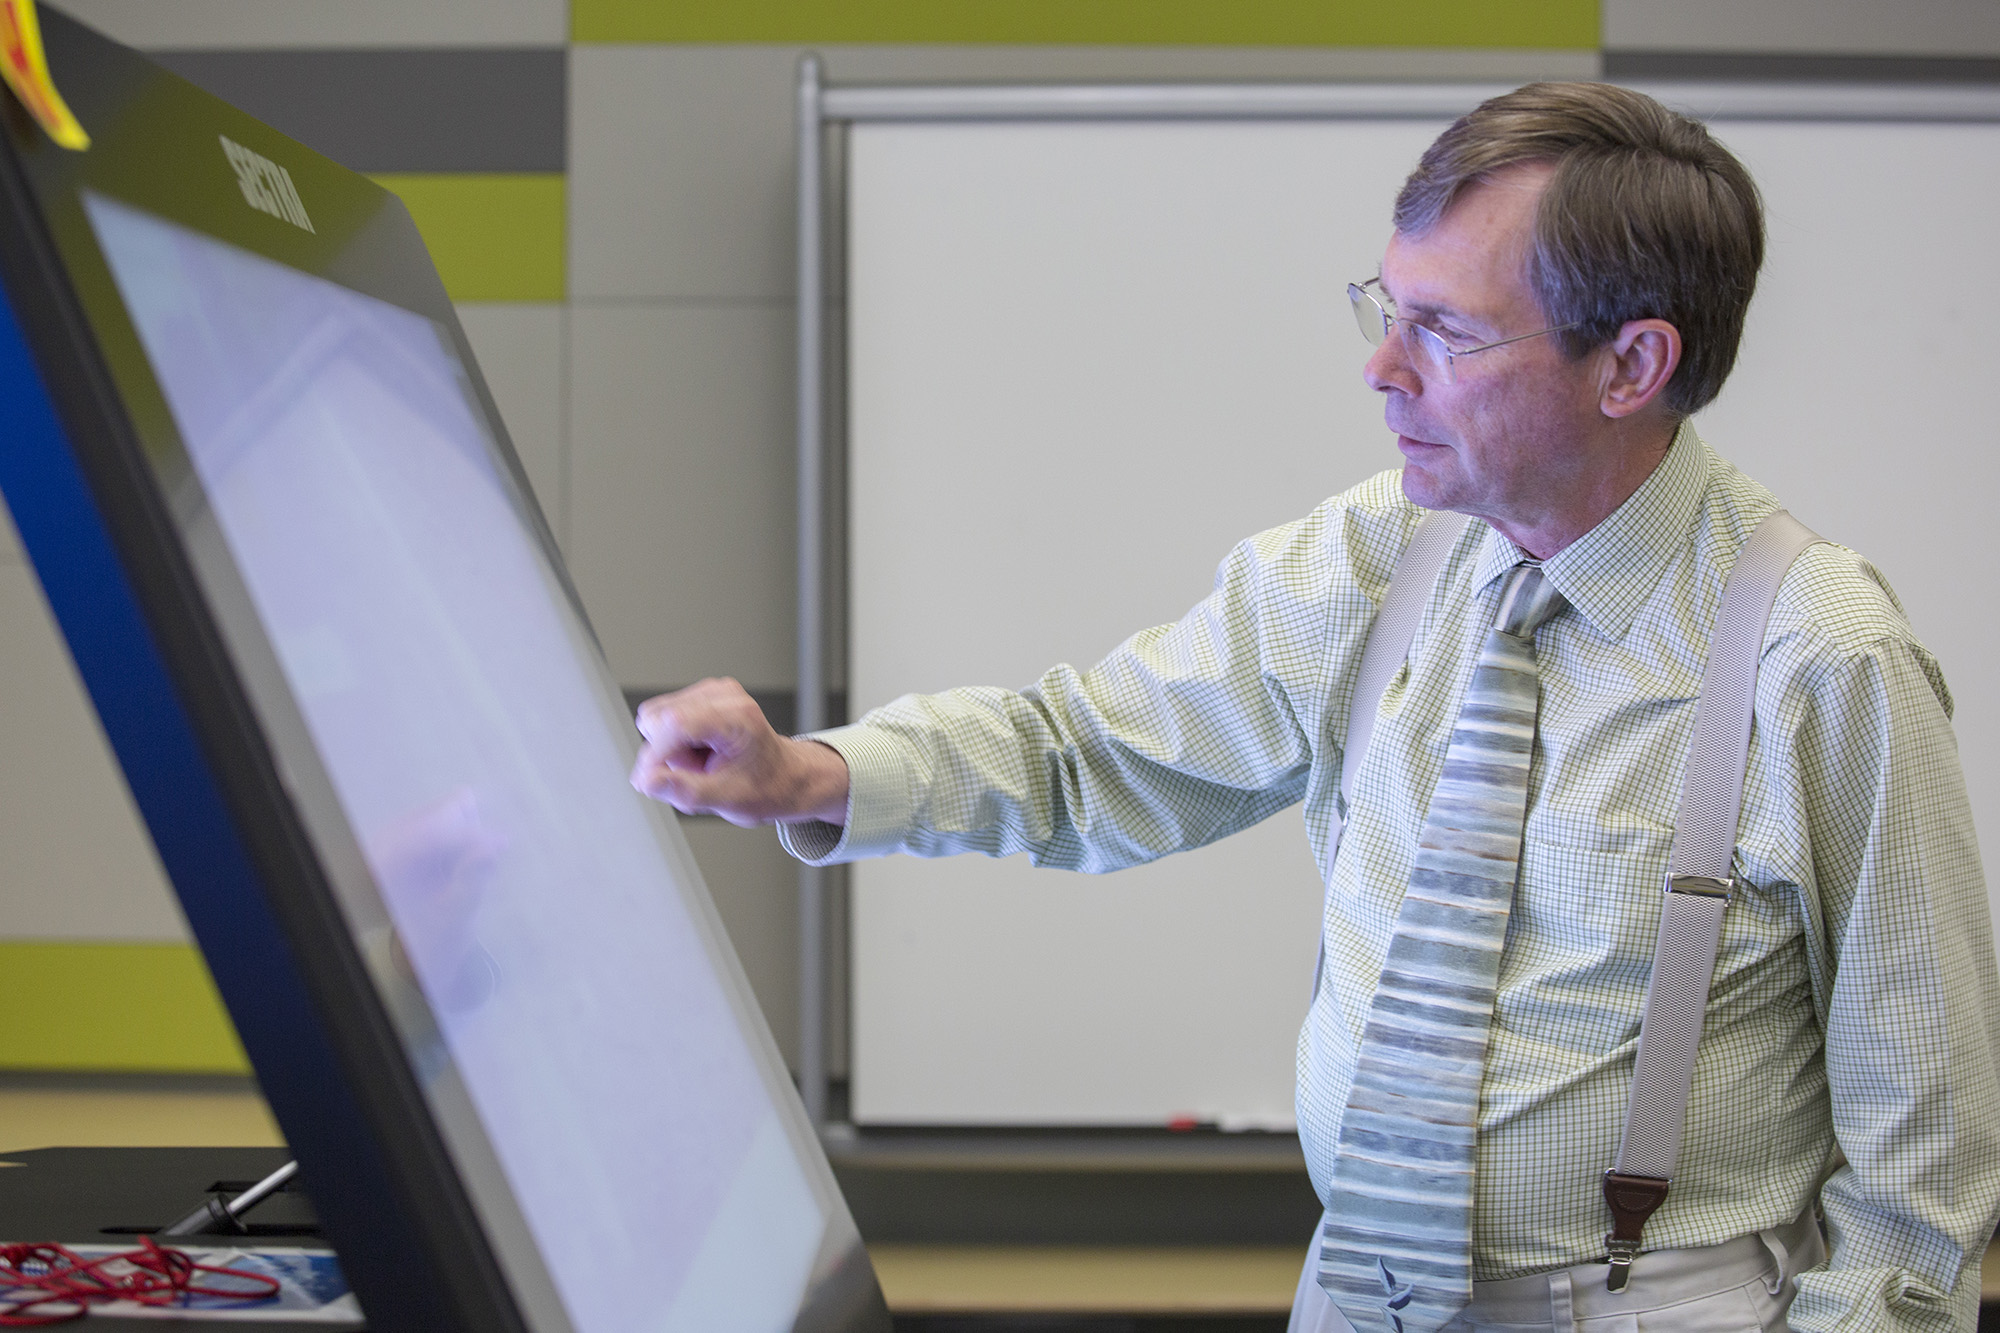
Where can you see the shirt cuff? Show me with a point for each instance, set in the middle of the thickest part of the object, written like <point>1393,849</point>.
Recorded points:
<point>881,801</point>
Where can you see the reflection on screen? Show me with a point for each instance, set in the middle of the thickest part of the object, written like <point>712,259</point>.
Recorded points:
<point>457,712</point>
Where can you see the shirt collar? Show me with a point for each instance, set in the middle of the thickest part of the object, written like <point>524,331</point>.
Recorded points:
<point>1608,573</point>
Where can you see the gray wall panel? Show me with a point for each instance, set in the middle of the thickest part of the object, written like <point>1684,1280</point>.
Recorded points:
<point>1857,27</point>
<point>500,110</point>
<point>680,156</point>
<point>520,351</point>
<point>75,862</point>
<point>681,486</point>
<point>680,172</point>
<point>756,889</point>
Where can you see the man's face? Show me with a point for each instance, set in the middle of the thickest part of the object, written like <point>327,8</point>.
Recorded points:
<point>1509,440</point>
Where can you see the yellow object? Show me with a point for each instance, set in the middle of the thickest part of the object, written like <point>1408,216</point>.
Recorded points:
<point>1549,24</point>
<point>166,1111</point>
<point>112,1006</point>
<point>493,237</point>
<point>26,70</point>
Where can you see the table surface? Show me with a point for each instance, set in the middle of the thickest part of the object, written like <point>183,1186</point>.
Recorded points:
<point>101,1196</point>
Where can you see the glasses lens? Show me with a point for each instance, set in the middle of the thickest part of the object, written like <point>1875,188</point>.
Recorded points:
<point>1368,313</point>
<point>1428,352</point>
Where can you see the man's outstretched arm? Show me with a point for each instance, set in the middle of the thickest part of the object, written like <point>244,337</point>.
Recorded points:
<point>1181,735</point>
<point>710,751</point>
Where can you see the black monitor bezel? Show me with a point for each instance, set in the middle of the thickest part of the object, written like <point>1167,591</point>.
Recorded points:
<point>147,643</point>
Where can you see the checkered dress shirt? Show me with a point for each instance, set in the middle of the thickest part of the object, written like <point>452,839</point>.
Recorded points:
<point>1854,1008</point>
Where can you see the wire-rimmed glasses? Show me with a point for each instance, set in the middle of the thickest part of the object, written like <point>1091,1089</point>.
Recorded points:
<point>1428,350</point>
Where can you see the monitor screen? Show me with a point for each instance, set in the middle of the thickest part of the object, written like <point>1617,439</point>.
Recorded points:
<point>532,923</point>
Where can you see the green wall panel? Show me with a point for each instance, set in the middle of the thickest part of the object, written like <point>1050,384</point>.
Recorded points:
<point>1459,23</point>
<point>113,1006</point>
<point>495,237</point>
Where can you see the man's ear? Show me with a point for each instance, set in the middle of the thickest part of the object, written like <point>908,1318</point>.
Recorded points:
<point>1639,362</point>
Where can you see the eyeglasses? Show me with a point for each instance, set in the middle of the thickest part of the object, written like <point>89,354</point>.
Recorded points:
<point>1428,350</point>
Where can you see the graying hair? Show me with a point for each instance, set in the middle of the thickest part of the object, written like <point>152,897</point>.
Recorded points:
<point>1645,217</point>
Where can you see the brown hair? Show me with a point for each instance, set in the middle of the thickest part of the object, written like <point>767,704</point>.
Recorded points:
<point>1646,217</point>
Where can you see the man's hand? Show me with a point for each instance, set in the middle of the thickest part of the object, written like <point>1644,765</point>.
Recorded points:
<point>710,751</point>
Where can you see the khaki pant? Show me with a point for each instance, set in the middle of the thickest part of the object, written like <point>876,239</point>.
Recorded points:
<point>1740,1286</point>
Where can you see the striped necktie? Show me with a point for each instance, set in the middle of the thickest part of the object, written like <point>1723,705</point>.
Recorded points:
<point>1396,1250</point>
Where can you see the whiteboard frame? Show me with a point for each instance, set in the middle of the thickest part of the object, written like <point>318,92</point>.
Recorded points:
<point>822,108</point>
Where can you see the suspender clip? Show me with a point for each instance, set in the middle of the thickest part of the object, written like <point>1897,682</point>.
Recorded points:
<point>1632,1199</point>
<point>1704,886</point>
<point>1623,1252</point>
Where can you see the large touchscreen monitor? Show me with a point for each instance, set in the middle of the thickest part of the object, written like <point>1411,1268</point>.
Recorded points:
<point>334,647</point>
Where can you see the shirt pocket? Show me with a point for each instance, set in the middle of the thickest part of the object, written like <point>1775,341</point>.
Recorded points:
<point>1580,948</point>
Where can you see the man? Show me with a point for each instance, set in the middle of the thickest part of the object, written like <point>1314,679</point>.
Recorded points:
<point>1566,284</point>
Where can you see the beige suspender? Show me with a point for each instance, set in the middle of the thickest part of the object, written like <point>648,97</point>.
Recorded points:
<point>1700,876</point>
<point>1390,637</point>
<point>1700,881</point>
<point>1389,640</point>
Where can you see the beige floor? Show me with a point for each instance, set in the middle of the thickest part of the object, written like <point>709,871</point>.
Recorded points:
<point>917,1279</point>
<point>1043,1279</point>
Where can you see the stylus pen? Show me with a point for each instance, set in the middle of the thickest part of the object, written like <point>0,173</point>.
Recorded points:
<point>217,1217</point>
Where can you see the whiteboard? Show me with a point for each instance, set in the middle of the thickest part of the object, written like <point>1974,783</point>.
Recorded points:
<point>1086,358</point>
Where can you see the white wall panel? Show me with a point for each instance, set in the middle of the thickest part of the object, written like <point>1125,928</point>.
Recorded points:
<point>1086,360</point>
<point>192,24</point>
<point>1086,357</point>
<point>988,992</point>
<point>1857,397</point>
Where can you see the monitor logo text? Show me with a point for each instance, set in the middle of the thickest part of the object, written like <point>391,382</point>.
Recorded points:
<point>267,187</point>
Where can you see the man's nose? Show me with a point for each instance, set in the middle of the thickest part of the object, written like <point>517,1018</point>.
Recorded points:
<point>1388,367</point>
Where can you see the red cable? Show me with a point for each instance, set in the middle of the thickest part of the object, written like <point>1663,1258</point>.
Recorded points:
<point>32,1276</point>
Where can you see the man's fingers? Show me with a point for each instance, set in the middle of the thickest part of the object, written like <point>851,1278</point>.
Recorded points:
<point>710,750</point>
<point>717,715</point>
<point>693,791</point>
<point>668,773</point>
<point>685,789</point>
<point>671,721</point>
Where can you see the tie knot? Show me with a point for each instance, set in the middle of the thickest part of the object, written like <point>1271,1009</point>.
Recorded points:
<point>1526,602</point>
